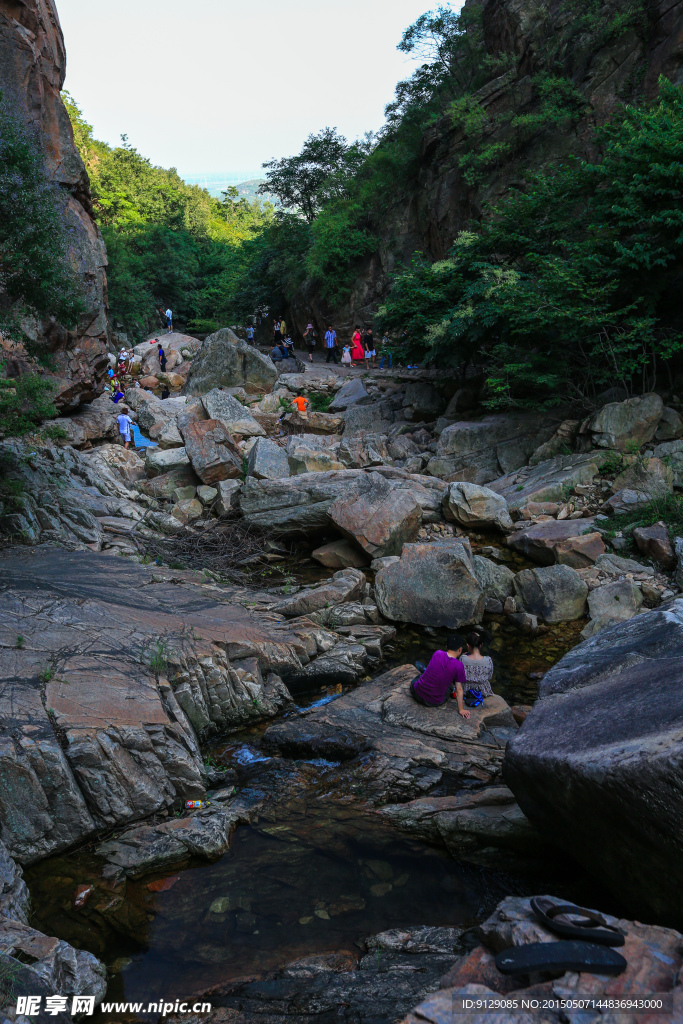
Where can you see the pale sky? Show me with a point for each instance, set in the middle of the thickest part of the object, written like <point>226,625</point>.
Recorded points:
<point>221,85</point>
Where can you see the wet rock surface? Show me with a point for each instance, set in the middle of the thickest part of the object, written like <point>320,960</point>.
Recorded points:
<point>117,672</point>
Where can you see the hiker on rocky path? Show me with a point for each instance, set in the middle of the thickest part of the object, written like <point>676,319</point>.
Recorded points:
<point>478,667</point>
<point>250,335</point>
<point>443,677</point>
<point>162,359</point>
<point>276,331</point>
<point>387,354</point>
<point>124,424</point>
<point>357,350</point>
<point>369,348</point>
<point>169,320</point>
<point>331,344</point>
<point>310,339</point>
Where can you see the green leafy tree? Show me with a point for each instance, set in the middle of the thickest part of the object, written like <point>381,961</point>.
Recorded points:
<point>36,251</point>
<point>569,284</point>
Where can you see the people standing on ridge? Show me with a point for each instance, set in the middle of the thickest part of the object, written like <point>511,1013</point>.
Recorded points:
<point>444,676</point>
<point>478,667</point>
<point>357,350</point>
<point>169,320</point>
<point>369,346</point>
<point>331,344</point>
<point>124,423</point>
<point>310,338</point>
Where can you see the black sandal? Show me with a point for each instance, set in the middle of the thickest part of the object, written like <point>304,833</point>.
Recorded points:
<point>560,956</point>
<point>591,926</point>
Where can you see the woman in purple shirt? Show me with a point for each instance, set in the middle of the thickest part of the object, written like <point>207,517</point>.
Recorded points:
<point>443,677</point>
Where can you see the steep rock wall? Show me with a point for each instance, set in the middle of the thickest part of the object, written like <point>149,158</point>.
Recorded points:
<point>32,71</point>
<point>441,203</point>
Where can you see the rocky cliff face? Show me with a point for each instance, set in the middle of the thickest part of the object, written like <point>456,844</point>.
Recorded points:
<point>540,36</point>
<point>32,71</point>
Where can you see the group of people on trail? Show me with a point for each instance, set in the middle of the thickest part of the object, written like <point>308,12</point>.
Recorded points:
<point>361,349</point>
<point>461,672</point>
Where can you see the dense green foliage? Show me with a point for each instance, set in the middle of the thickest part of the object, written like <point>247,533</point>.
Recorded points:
<point>570,284</point>
<point>36,275</point>
<point>24,403</point>
<point>169,243</point>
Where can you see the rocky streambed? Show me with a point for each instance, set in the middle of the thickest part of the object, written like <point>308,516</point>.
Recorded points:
<point>342,816</point>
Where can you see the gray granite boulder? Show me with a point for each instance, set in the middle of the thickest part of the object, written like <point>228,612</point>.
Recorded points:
<point>617,423</point>
<point>380,519</point>
<point>671,454</point>
<point>597,765</point>
<point>483,450</point>
<point>432,585</point>
<point>476,507</point>
<point>267,460</point>
<point>615,602</point>
<point>224,360</point>
<point>555,593</point>
<point>224,407</point>
<point>350,393</point>
<point>495,580</point>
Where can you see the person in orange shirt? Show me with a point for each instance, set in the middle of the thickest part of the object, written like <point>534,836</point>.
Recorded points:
<point>300,402</point>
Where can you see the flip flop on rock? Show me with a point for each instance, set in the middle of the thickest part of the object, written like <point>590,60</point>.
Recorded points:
<point>560,956</point>
<point>590,926</point>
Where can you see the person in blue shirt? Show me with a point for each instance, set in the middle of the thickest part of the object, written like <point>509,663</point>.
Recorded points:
<point>331,344</point>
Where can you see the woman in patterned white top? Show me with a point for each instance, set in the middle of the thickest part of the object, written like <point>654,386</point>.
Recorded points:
<point>478,667</point>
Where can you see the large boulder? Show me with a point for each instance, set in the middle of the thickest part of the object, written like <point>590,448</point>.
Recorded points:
<point>671,454</point>
<point>299,505</point>
<point>554,593</point>
<point>654,543</point>
<point>597,765</point>
<point>158,460</point>
<point>548,480</point>
<point>375,418</point>
<point>496,580</point>
<point>431,585</point>
<point>567,542</point>
<point>484,450</point>
<point>670,427</point>
<point>381,519</point>
<point>267,460</point>
<point>351,393</point>
<point>164,485</point>
<point>647,476</point>
<point>476,507</point>
<point>635,420</point>
<point>93,422</point>
<point>212,451</point>
<point>312,423</point>
<point>615,602</point>
<point>224,360</point>
<point>222,406</point>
